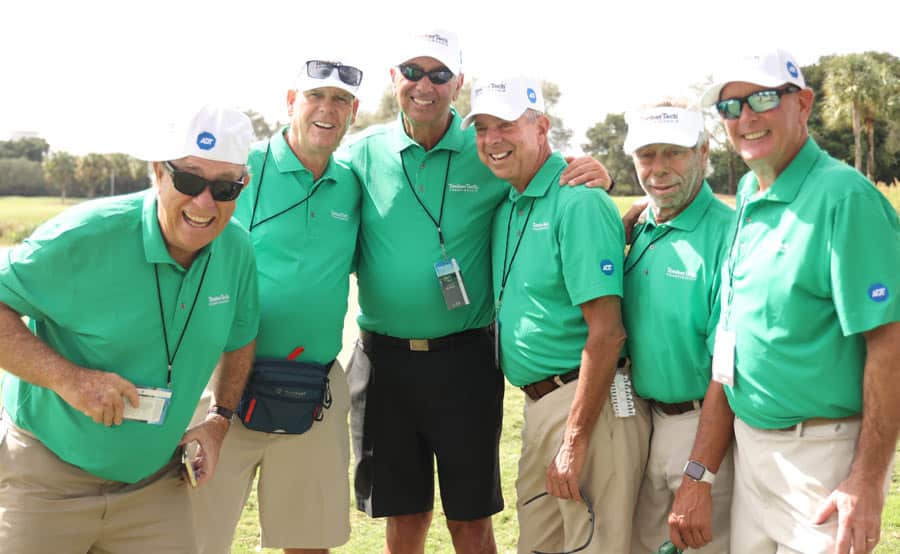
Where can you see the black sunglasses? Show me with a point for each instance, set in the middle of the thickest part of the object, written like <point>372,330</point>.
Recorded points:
<point>590,509</point>
<point>349,75</point>
<point>760,101</point>
<point>414,73</point>
<point>192,185</point>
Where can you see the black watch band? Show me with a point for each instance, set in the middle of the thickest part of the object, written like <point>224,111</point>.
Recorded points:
<point>221,410</point>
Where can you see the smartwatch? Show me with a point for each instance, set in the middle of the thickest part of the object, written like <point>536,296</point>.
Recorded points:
<point>221,410</point>
<point>698,472</point>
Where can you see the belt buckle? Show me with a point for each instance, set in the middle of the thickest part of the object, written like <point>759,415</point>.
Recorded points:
<point>418,345</point>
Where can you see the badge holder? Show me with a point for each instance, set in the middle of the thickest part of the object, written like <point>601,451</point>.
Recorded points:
<point>621,395</point>
<point>451,282</point>
<point>154,402</point>
<point>723,356</point>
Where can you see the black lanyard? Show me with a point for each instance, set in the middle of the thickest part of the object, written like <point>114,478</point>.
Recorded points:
<point>259,184</point>
<point>507,269</point>
<point>628,268</point>
<point>437,222</point>
<point>170,358</point>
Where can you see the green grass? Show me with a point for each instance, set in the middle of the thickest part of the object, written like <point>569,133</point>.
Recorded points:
<point>19,215</point>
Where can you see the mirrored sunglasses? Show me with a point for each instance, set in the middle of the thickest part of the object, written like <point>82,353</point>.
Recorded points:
<point>760,101</point>
<point>349,75</point>
<point>192,185</point>
<point>414,73</point>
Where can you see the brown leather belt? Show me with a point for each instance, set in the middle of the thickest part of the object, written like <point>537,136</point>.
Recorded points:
<point>422,345</point>
<point>536,391</point>
<point>818,422</point>
<point>676,408</point>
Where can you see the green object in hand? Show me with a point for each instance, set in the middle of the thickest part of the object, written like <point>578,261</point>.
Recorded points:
<point>669,548</point>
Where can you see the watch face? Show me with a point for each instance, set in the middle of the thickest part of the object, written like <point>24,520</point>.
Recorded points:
<point>694,470</point>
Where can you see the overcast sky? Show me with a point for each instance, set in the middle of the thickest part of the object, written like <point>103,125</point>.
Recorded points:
<point>86,74</point>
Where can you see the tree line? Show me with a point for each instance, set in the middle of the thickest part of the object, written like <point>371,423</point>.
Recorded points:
<point>856,118</point>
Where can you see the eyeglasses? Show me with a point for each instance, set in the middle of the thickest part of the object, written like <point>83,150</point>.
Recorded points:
<point>192,185</point>
<point>349,75</point>
<point>415,73</point>
<point>760,101</point>
<point>590,509</point>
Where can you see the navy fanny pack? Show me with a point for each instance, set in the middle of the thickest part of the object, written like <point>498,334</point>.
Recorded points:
<point>283,396</point>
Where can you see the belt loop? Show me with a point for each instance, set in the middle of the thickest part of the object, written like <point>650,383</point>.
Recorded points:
<point>558,380</point>
<point>799,431</point>
<point>696,404</point>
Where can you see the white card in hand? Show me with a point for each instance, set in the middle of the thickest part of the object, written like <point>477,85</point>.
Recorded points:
<point>152,407</point>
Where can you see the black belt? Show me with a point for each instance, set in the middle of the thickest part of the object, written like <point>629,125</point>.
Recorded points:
<point>422,345</point>
<point>676,408</point>
<point>536,391</point>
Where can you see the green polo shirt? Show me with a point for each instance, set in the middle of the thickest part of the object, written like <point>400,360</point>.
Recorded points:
<point>304,233</point>
<point>815,263</point>
<point>86,281</point>
<point>570,252</point>
<point>670,306</point>
<point>399,294</point>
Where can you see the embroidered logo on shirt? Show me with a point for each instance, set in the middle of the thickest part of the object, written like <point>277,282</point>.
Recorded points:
<point>340,216</point>
<point>540,226</point>
<point>680,274</point>
<point>219,299</point>
<point>878,292</point>
<point>607,267</point>
<point>462,187</point>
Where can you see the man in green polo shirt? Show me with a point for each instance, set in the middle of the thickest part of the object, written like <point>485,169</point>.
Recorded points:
<point>808,343</point>
<point>670,310</point>
<point>132,301</point>
<point>557,274</point>
<point>302,210</point>
<point>422,379</point>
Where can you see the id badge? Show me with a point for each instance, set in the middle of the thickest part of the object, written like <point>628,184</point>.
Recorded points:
<point>452,286</point>
<point>723,356</point>
<point>497,343</point>
<point>621,395</point>
<point>152,407</point>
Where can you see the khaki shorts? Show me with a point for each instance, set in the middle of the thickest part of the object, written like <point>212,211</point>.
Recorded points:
<point>781,479</point>
<point>303,489</point>
<point>670,448</point>
<point>611,477</point>
<point>48,505</point>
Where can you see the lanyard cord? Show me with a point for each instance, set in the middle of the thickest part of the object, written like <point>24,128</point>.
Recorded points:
<point>644,251</point>
<point>437,222</point>
<point>170,359</point>
<point>262,174</point>
<point>507,270</point>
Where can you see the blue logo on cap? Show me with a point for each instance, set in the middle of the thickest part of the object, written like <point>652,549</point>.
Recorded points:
<point>792,69</point>
<point>878,292</point>
<point>532,96</point>
<point>607,267</point>
<point>206,141</point>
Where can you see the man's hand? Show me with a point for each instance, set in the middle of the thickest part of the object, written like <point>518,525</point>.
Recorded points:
<point>858,503</point>
<point>565,471</point>
<point>690,521</point>
<point>100,395</point>
<point>209,434</point>
<point>633,216</point>
<point>585,171</point>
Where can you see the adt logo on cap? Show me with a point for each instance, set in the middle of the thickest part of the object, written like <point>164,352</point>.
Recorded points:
<point>878,292</point>
<point>607,267</point>
<point>532,96</point>
<point>206,141</point>
<point>792,69</point>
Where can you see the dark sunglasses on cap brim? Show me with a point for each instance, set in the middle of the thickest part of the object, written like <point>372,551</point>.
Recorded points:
<point>349,75</point>
<point>192,185</point>
<point>412,72</point>
<point>760,101</point>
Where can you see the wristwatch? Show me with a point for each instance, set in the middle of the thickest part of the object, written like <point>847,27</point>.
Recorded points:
<point>698,472</point>
<point>221,410</point>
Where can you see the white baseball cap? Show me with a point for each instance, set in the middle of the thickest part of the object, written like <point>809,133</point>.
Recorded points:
<point>212,133</point>
<point>439,44</point>
<point>768,69</point>
<point>306,82</point>
<point>505,98</point>
<point>663,125</point>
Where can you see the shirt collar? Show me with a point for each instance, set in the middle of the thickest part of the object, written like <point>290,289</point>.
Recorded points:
<point>688,219</point>
<point>287,162</point>
<point>454,139</point>
<point>155,249</point>
<point>546,176</point>
<point>788,184</point>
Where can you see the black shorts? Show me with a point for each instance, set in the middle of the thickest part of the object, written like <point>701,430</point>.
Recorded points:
<point>418,406</point>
